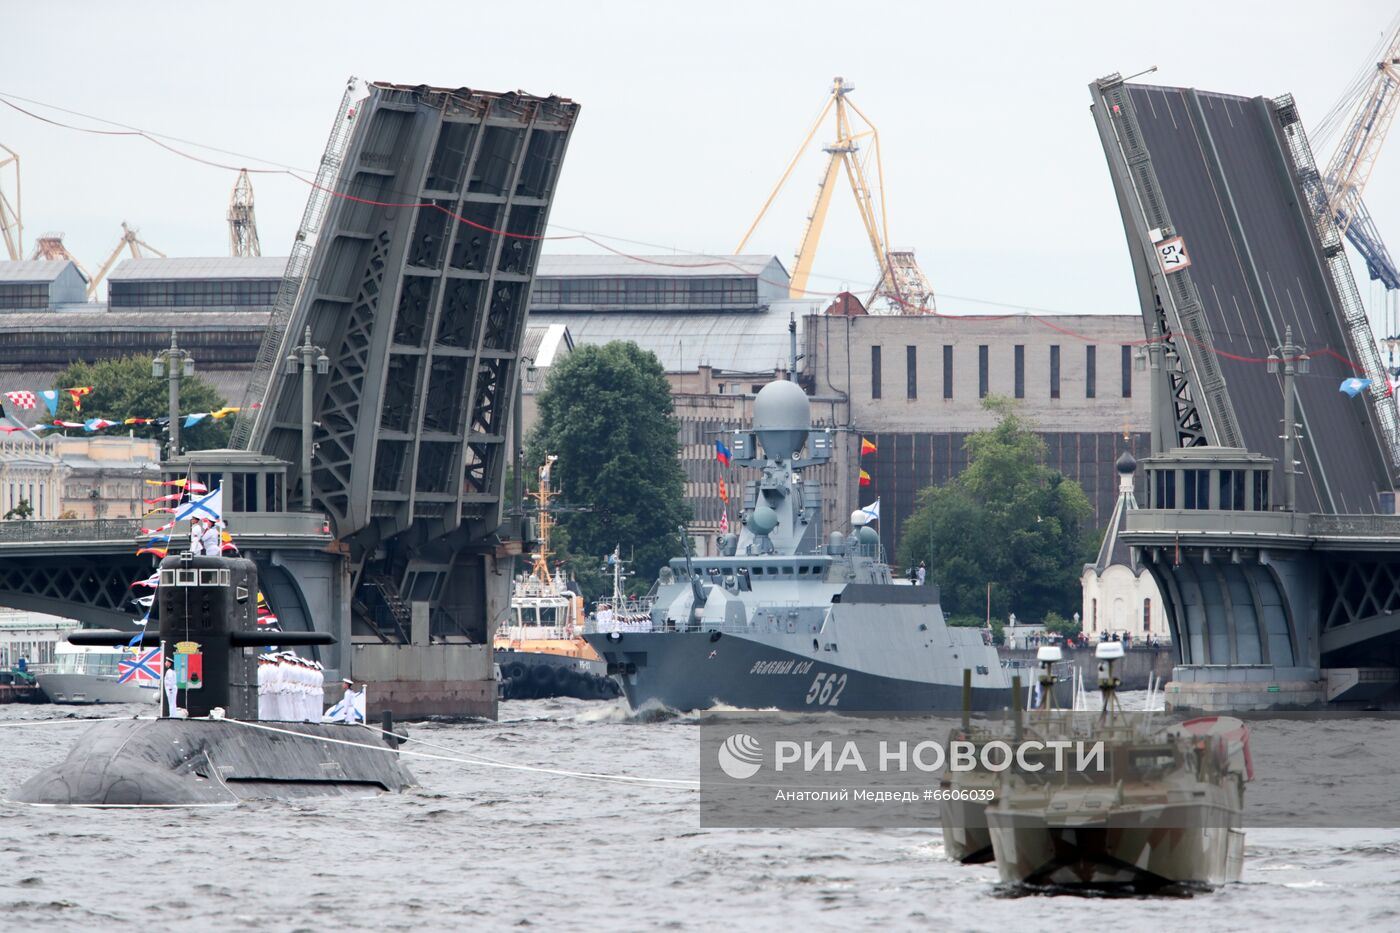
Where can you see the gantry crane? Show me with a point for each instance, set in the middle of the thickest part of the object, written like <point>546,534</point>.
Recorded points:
<point>242,224</point>
<point>1371,103</point>
<point>11,215</point>
<point>902,284</point>
<point>129,240</point>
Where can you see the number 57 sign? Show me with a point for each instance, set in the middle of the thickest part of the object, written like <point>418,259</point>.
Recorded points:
<point>1171,253</point>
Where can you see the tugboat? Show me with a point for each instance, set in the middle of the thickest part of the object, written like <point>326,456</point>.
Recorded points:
<point>784,619</point>
<point>211,749</point>
<point>540,652</point>
<point>1164,811</point>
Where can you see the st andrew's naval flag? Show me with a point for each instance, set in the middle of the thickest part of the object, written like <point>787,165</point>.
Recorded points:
<point>142,667</point>
<point>208,506</point>
<point>353,713</point>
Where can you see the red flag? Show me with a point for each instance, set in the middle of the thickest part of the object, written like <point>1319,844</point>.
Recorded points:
<point>154,551</point>
<point>864,478</point>
<point>866,447</point>
<point>77,393</point>
<point>723,491</point>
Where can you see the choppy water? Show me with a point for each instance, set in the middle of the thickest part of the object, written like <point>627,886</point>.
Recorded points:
<point>478,848</point>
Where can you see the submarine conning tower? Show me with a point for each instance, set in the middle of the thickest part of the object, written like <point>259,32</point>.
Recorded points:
<point>208,609</point>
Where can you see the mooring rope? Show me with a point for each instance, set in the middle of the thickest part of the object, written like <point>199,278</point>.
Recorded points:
<point>667,783</point>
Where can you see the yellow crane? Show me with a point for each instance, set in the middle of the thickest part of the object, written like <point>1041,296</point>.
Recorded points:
<point>129,240</point>
<point>1374,109</point>
<point>902,284</point>
<point>11,215</point>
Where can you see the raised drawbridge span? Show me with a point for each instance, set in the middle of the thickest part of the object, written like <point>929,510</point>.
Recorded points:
<point>1237,258</point>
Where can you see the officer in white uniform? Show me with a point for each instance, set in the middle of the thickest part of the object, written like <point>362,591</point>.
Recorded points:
<point>196,537</point>
<point>213,541</point>
<point>348,710</point>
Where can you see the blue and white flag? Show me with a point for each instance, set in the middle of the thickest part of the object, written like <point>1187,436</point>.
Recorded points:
<point>1354,386</point>
<point>50,397</point>
<point>353,713</point>
<point>872,512</point>
<point>209,506</point>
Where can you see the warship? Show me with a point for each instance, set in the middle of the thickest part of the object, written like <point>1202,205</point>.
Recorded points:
<point>211,749</point>
<point>786,619</point>
<point>1165,810</point>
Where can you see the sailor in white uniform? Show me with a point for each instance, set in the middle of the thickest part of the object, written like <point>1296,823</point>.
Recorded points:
<point>265,674</point>
<point>317,701</point>
<point>281,689</point>
<point>303,690</point>
<point>168,681</point>
<point>196,537</point>
<point>213,541</point>
<point>348,702</point>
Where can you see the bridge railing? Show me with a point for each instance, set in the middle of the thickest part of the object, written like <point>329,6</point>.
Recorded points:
<point>269,357</point>
<point>63,529</point>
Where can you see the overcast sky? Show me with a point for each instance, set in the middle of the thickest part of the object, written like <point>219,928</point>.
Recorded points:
<point>993,170</point>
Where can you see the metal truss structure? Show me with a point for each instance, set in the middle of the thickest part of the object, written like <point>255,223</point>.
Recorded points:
<point>417,287</point>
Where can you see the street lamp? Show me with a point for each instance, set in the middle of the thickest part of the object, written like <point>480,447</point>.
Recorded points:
<point>1294,360</point>
<point>304,357</point>
<point>175,364</point>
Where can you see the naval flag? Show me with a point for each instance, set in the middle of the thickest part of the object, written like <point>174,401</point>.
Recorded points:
<point>208,506</point>
<point>872,511</point>
<point>347,714</point>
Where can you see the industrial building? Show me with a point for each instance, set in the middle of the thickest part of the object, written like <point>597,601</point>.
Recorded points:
<point>912,384</point>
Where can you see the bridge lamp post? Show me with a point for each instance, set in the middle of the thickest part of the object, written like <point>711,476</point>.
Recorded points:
<point>173,363</point>
<point>1294,361</point>
<point>1152,354</point>
<point>303,358</point>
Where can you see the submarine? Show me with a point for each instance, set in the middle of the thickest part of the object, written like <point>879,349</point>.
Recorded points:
<point>219,753</point>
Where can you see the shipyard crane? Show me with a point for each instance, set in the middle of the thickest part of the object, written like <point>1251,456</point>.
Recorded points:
<point>50,246</point>
<point>242,224</point>
<point>902,284</point>
<point>129,241</point>
<point>11,215</point>
<point>1371,102</point>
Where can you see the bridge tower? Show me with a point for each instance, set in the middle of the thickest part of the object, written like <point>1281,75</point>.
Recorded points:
<point>413,273</point>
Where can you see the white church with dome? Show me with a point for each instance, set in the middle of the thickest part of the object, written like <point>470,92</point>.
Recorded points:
<point>1119,594</point>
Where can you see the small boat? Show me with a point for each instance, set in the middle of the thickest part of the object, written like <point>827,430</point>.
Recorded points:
<point>540,651</point>
<point>1165,809</point>
<point>94,674</point>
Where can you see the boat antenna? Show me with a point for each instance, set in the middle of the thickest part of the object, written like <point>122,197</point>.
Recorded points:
<point>1108,652</point>
<point>1048,656</point>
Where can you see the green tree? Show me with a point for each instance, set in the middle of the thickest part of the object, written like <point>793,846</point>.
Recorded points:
<point>1054,622</point>
<point>22,510</point>
<point>124,388</point>
<point>606,412</point>
<point>1007,520</point>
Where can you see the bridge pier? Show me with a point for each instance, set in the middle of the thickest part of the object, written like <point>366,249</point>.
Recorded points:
<point>1267,609</point>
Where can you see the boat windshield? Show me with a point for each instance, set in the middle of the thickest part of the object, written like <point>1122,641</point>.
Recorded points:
<point>87,662</point>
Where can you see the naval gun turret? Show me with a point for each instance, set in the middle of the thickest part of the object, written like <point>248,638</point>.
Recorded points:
<point>219,753</point>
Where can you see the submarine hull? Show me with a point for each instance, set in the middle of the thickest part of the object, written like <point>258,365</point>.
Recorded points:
<point>182,762</point>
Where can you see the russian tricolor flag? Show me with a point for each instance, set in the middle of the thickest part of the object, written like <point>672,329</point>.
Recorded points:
<point>721,453</point>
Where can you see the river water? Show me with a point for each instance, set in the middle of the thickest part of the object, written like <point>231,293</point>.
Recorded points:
<point>480,847</point>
